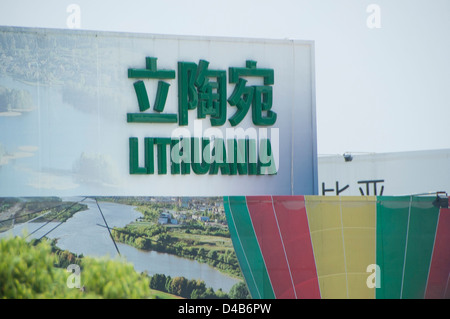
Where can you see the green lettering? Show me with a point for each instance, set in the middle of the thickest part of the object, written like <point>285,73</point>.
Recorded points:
<point>237,156</point>
<point>200,158</point>
<point>187,94</point>
<point>134,157</point>
<point>252,157</point>
<point>161,147</point>
<point>149,154</point>
<point>219,158</point>
<point>266,159</point>
<point>180,162</point>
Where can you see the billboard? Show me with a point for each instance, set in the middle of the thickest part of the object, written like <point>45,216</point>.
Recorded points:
<point>120,114</point>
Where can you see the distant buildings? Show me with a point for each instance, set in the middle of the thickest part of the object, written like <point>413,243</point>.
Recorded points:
<point>166,218</point>
<point>195,208</point>
<point>204,219</point>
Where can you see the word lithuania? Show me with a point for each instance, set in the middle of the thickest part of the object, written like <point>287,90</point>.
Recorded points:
<point>204,89</point>
<point>203,156</point>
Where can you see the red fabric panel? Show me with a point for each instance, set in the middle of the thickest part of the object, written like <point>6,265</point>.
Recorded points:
<point>291,215</point>
<point>269,239</point>
<point>438,277</point>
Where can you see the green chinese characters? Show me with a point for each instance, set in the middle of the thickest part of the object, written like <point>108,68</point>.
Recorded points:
<point>205,89</point>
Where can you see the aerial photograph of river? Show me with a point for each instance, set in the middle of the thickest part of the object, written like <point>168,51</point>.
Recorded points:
<point>174,241</point>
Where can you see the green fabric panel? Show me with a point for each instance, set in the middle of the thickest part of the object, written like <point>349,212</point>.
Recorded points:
<point>392,222</point>
<point>249,242</point>
<point>239,250</point>
<point>421,233</point>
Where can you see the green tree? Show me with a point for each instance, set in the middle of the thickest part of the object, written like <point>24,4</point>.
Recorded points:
<point>113,279</point>
<point>196,294</point>
<point>209,294</point>
<point>202,252</point>
<point>141,243</point>
<point>239,291</point>
<point>158,282</point>
<point>198,286</point>
<point>212,254</point>
<point>178,287</point>
<point>168,282</point>
<point>27,271</point>
<point>220,294</point>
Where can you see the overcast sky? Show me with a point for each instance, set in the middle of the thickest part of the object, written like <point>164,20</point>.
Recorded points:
<point>382,67</point>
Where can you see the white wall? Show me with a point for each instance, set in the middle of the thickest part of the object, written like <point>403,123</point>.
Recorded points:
<point>401,173</point>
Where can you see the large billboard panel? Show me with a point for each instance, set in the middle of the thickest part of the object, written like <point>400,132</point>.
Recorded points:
<point>100,113</point>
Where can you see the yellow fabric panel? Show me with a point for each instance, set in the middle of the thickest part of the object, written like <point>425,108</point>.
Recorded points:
<point>323,212</point>
<point>359,211</point>
<point>324,219</point>
<point>331,286</point>
<point>328,252</point>
<point>343,238</point>
<point>359,222</point>
<point>357,287</point>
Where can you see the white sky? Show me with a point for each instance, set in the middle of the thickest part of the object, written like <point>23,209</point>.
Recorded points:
<point>377,90</point>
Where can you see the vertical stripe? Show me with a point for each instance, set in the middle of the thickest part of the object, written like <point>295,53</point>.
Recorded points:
<point>406,229</point>
<point>240,253</point>
<point>392,220</point>
<point>421,234</point>
<point>244,228</point>
<point>406,246</point>
<point>358,221</point>
<point>290,213</point>
<point>284,250</point>
<point>269,239</point>
<point>437,286</point>
<point>326,235</point>
<point>343,244</point>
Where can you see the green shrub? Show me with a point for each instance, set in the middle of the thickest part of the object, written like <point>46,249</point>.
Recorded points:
<point>28,271</point>
<point>113,279</point>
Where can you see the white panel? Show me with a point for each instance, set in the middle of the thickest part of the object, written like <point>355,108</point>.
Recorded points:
<point>75,139</point>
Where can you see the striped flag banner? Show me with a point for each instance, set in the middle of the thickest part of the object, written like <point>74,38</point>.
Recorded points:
<point>365,247</point>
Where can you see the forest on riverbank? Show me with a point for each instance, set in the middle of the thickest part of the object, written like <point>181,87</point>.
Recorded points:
<point>200,232</point>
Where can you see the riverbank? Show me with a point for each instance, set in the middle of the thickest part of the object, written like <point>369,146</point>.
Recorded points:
<point>15,210</point>
<point>161,286</point>
<point>215,251</point>
<point>193,228</point>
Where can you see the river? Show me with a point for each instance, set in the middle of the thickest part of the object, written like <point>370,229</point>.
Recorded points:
<point>81,234</point>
